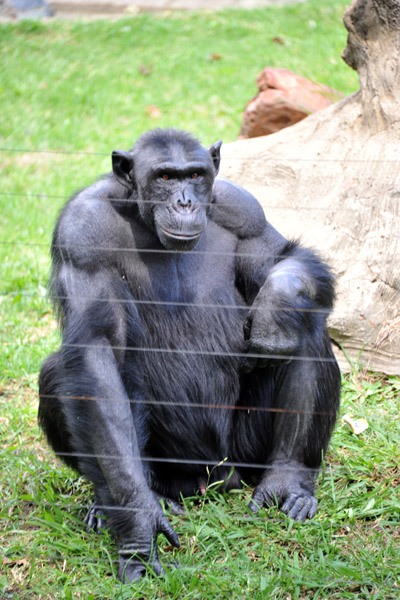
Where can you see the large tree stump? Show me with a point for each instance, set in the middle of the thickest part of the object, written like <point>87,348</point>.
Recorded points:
<point>333,180</point>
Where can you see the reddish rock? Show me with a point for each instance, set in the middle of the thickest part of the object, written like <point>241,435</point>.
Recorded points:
<point>284,98</point>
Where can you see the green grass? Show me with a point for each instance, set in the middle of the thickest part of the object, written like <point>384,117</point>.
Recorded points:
<point>350,550</point>
<point>86,80</point>
<point>80,87</point>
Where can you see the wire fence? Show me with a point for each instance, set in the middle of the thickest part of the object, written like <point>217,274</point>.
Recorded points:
<point>10,295</point>
<point>183,406</point>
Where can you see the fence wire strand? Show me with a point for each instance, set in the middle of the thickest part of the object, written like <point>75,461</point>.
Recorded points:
<point>164,303</point>
<point>131,201</point>
<point>162,251</point>
<point>260,156</point>
<point>189,405</point>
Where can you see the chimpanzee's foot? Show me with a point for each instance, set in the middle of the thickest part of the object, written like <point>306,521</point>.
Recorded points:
<point>172,505</point>
<point>290,486</point>
<point>95,519</point>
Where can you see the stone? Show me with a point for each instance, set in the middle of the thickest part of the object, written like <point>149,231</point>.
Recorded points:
<point>26,9</point>
<point>283,99</point>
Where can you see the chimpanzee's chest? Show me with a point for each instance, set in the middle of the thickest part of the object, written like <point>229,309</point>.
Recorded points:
<point>190,317</point>
<point>205,274</point>
<point>191,328</point>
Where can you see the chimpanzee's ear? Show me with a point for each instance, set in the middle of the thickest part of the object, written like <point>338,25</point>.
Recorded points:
<point>122,166</point>
<point>215,155</point>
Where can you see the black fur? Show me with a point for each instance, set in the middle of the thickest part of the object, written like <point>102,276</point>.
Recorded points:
<point>157,268</point>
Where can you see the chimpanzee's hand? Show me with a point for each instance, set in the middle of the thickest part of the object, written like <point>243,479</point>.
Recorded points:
<point>139,553</point>
<point>277,321</point>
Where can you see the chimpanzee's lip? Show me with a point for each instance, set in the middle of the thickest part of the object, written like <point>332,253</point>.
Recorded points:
<point>187,236</point>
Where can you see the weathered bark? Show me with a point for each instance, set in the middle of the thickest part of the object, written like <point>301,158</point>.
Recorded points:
<point>334,180</point>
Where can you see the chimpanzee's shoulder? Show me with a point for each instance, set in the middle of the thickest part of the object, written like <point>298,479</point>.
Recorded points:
<point>236,210</point>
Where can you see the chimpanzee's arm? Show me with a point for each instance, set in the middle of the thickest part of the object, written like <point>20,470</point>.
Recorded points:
<point>292,302</point>
<point>93,351</point>
<point>289,289</point>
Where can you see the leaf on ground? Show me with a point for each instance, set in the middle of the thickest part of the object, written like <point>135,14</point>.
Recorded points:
<point>145,70</point>
<point>15,562</point>
<point>153,111</point>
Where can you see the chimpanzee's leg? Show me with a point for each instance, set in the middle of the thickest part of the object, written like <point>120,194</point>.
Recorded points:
<point>288,424</point>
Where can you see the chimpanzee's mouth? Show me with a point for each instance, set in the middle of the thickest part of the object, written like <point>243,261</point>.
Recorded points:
<point>186,237</point>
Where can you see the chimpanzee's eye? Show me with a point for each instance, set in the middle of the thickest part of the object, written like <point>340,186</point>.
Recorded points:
<point>195,175</point>
<point>165,177</point>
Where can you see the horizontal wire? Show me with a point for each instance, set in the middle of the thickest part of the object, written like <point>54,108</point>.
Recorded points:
<point>189,405</point>
<point>216,353</point>
<point>106,561</point>
<point>131,509</point>
<point>68,248</point>
<point>197,497</point>
<point>347,583</point>
<point>78,152</point>
<point>212,463</point>
<point>239,307</point>
<point>140,250</point>
<point>73,560</point>
<point>187,513</point>
<point>133,201</point>
<point>36,195</point>
<point>225,159</point>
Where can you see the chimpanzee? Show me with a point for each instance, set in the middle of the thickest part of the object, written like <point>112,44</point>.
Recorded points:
<point>193,334</point>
